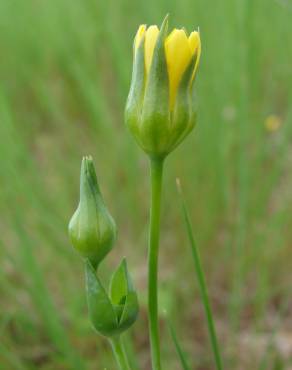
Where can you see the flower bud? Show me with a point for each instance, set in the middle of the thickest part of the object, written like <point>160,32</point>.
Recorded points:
<point>114,313</point>
<point>160,111</point>
<point>92,230</point>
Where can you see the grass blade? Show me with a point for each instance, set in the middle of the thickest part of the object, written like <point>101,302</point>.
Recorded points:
<point>202,282</point>
<point>178,348</point>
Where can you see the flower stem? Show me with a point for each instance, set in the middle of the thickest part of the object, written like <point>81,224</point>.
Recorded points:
<point>120,353</point>
<point>153,251</point>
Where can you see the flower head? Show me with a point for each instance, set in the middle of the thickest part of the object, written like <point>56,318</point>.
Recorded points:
<point>159,110</point>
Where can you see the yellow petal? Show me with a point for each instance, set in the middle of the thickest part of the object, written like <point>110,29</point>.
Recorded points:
<point>150,41</point>
<point>195,46</point>
<point>194,41</point>
<point>178,56</point>
<point>139,35</point>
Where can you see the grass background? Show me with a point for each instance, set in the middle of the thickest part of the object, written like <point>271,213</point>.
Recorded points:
<point>65,70</point>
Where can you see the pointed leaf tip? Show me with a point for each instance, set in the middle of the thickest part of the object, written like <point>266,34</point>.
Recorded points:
<point>119,283</point>
<point>130,311</point>
<point>164,25</point>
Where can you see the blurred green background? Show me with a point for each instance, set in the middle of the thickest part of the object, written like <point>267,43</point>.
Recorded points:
<point>65,70</point>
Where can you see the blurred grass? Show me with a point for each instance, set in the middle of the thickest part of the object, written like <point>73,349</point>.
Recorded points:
<point>65,70</point>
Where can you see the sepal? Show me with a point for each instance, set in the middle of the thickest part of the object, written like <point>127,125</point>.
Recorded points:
<point>156,115</point>
<point>135,98</point>
<point>184,115</point>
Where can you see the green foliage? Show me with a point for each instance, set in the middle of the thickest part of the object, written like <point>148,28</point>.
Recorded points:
<point>114,313</point>
<point>65,72</point>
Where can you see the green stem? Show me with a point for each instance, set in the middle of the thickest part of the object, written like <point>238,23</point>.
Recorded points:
<point>202,284</point>
<point>153,252</point>
<point>120,353</point>
<point>207,306</point>
<point>178,348</point>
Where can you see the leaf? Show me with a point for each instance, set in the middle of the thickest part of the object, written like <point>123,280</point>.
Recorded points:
<point>202,282</point>
<point>178,348</point>
<point>123,296</point>
<point>120,284</point>
<point>101,311</point>
<point>130,311</point>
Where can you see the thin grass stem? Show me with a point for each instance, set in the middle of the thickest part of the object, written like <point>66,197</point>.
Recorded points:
<point>177,345</point>
<point>202,283</point>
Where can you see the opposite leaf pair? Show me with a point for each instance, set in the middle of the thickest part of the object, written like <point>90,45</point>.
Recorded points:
<point>114,313</point>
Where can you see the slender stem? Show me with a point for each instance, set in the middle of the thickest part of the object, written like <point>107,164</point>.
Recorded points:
<point>178,348</point>
<point>207,306</point>
<point>202,284</point>
<point>120,353</point>
<point>153,251</point>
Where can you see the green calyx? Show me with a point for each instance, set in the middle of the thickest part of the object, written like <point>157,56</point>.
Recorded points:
<point>157,128</point>
<point>92,230</point>
<point>113,313</point>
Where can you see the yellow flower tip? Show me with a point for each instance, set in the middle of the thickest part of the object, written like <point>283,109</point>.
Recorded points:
<point>194,42</point>
<point>139,35</point>
<point>178,57</point>
<point>150,42</point>
<point>179,50</point>
<point>273,123</point>
<point>195,46</point>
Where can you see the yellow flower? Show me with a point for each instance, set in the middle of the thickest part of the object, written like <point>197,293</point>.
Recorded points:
<point>160,110</point>
<point>179,50</point>
<point>273,122</point>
